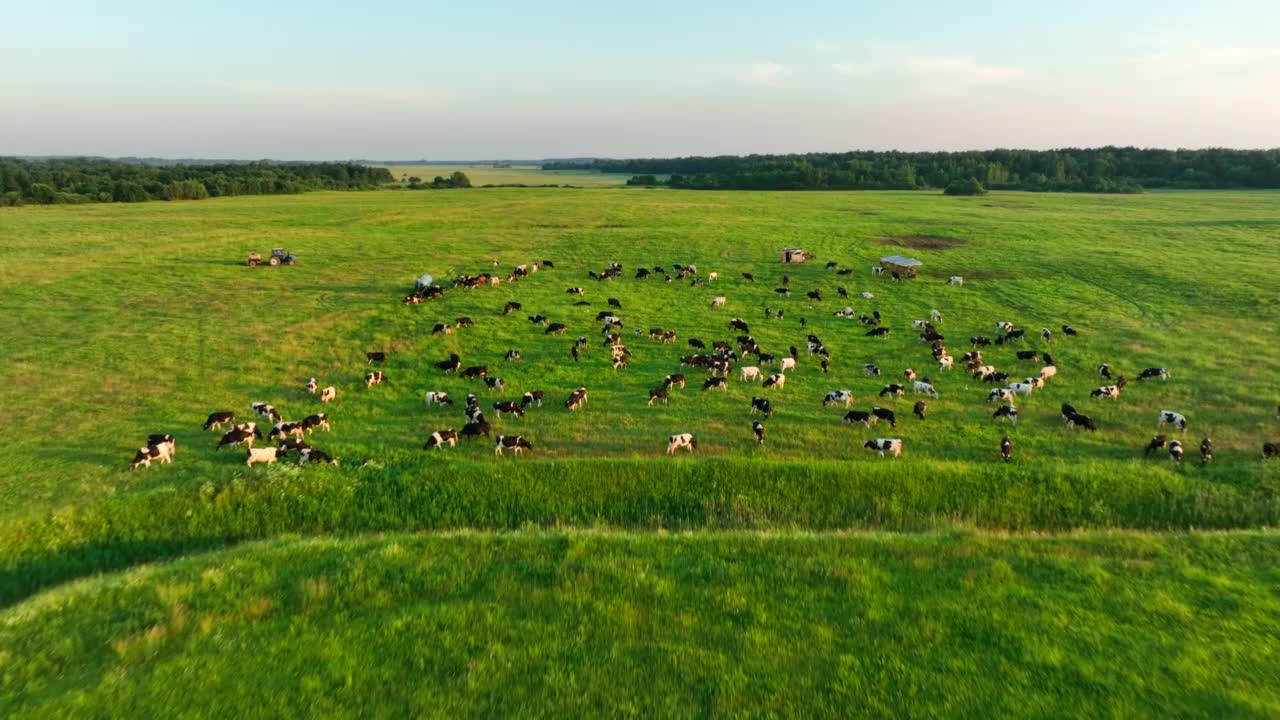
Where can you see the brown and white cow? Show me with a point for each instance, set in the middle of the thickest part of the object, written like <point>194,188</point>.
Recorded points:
<point>440,438</point>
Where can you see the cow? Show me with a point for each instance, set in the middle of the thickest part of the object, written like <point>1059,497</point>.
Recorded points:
<point>508,406</point>
<point>748,277</point>
<point>1156,443</point>
<point>777,380</point>
<point>577,399</point>
<point>681,440</point>
<point>1075,420</point>
<point>464,322</point>
<point>838,397</point>
<point>1006,411</point>
<point>979,341</point>
<point>1048,359</point>
<point>287,428</point>
<point>1048,371</point>
<point>1006,448</point>
<point>1175,451</point>
<point>879,332</point>
<point>538,319</point>
<point>877,270</point>
<point>718,301</point>
<point>262,409</point>
<point>935,316</point>
<point>156,451</point>
<point>883,445</point>
<point>757,427</point>
<point>311,422</point>
<point>217,419</point>
<point>266,455</point>
<point>514,443</point>
<point>1106,391</point>
<point>308,456</point>
<point>715,382</point>
<point>886,415</point>
<point>1105,371</point>
<point>825,363</point>
<point>1168,417</point>
<point>909,375</point>
<point>533,397</point>
<point>892,389</point>
<point>555,329</point>
<point>696,343</point>
<point>1206,451</point>
<point>924,388</point>
<point>511,306</point>
<point>1045,335</point>
<point>494,383</point>
<point>782,291</point>
<point>955,280</point>
<point>1027,355</point>
<point>512,356</point>
<point>740,325</point>
<point>451,365</point>
<point>856,416</point>
<point>945,362</point>
<point>475,429</point>
<point>870,370</point>
<point>921,407</point>
<point>1036,382</point>
<point>1004,326</point>
<point>479,371</point>
<point>866,295</point>
<point>1270,450</point>
<point>574,291</point>
<point>1021,388</point>
<point>1002,394</point>
<point>1068,330</point>
<point>659,393</point>
<point>763,405</point>
<point>311,386</point>
<point>440,438</point>
<point>329,394</point>
<point>236,436</point>
<point>375,357</point>
<point>434,397</point>
<point>374,378</point>
<point>788,363</point>
<point>293,444</point>
<point>815,295</point>
<point>1067,411</point>
<point>1154,372</point>
<point>749,372</point>
<point>615,303</point>
<point>671,380</point>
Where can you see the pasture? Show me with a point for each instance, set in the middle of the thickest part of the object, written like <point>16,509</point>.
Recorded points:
<point>513,175</point>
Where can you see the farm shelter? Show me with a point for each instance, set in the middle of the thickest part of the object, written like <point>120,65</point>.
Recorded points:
<point>794,255</point>
<point>904,266</point>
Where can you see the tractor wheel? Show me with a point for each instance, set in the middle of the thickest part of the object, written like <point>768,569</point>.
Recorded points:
<point>274,261</point>
<point>253,263</point>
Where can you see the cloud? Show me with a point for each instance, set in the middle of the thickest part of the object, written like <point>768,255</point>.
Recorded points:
<point>960,70</point>
<point>765,73</point>
<point>854,69</point>
<point>1216,61</point>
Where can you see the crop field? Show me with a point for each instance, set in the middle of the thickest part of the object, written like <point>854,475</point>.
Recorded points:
<point>126,320</point>
<point>513,175</point>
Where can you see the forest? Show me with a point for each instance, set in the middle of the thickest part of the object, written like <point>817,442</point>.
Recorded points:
<point>1106,169</point>
<point>84,180</point>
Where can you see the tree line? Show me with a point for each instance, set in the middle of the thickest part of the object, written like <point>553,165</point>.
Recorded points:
<point>83,180</point>
<point>1106,169</point>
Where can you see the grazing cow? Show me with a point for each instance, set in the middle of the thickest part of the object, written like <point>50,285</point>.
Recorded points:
<point>514,443</point>
<point>236,436</point>
<point>1006,411</point>
<point>1156,443</point>
<point>508,406</point>
<point>577,399</point>
<point>777,380</point>
<point>311,422</point>
<point>476,371</point>
<point>682,440</point>
<point>855,416</point>
<point>1168,417</point>
<point>1048,359</point>
<point>329,394</point>
<point>266,455</point>
<point>1075,420</point>
<point>440,438</point>
<point>1106,391</point>
<point>782,291</point>
<point>870,370</point>
<point>748,276</point>
<point>308,456</point>
<point>1154,372</point>
<point>879,332</point>
<point>451,365</point>
<point>1068,330</point>
<point>788,363</point>
<point>866,295</point>
<point>814,295</point>
<point>659,393</point>
<point>287,428</point>
<point>538,319</point>
<point>1175,451</point>
<point>886,415</point>
<point>945,362</point>
<point>718,301</point>
<point>750,372</point>
<point>574,291</point>
<point>825,363</point>
<point>474,429</point>
<point>838,397</point>
<point>877,270</point>
<point>1035,382</point>
<point>924,388</point>
<point>1105,371</point>
<point>512,355</point>
<point>696,343</point>
<point>715,382</point>
<point>892,389</point>
<point>674,380</point>
<point>375,357</point>
<point>145,455</point>
<point>464,322</point>
<point>1006,448</point>
<point>218,419</point>
<point>1048,371</point>
<point>437,398</point>
<point>1023,389</point>
<point>739,324</point>
<point>1002,394</point>
<point>494,383</point>
<point>921,407</point>
<point>1045,335</point>
<point>615,303</point>
<point>1067,411</point>
<point>374,378</point>
<point>555,329</point>
<point>533,397</point>
<point>293,444</point>
<point>1027,354</point>
<point>311,386</point>
<point>511,307</point>
<point>979,341</point>
<point>1270,450</point>
<point>763,405</point>
<point>1206,451</point>
<point>757,427</point>
<point>909,374</point>
<point>264,410</point>
<point>955,280</point>
<point>883,445</point>
<point>935,316</point>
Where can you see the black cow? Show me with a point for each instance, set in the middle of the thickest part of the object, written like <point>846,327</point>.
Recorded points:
<point>748,276</point>
<point>475,429</point>
<point>1154,372</point>
<point>451,365</point>
<point>878,332</point>
<point>1077,420</point>
<point>886,415</point>
<point>508,406</point>
<point>217,419</point>
<point>511,307</point>
<point>538,319</point>
<point>892,389</point>
<point>555,329</point>
<point>476,371</point>
<point>854,416</point>
<point>374,357</point>
<point>1156,443</point>
<point>659,393</point>
<point>695,342</point>
<point>1068,330</point>
<point>1027,354</point>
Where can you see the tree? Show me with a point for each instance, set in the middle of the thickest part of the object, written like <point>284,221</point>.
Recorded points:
<point>129,191</point>
<point>459,179</point>
<point>964,187</point>
<point>43,193</point>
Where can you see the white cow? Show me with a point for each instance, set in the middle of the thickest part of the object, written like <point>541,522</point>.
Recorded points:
<point>838,397</point>
<point>1168,417</point>
<point>1023,389</point>
<point>266,455</point>
<point>924,388</point>
<point>788,363</point>
<point>1048,371</point>
<point>718,301</point>
<point>329,394</point>
<point>750,372</point>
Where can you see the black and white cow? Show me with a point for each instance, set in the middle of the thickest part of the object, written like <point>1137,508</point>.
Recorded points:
<point>282,429</point>
<point>1106,391</point>
<point>838,397</point>
<point>660,394</point>
<point>511,307</point>
<point>434,397</point>
<point>1154,372</point>
<point>1206,451</point>
<point>856,416</point>
<point>886,415</point>
<point>757,427</point>
<point>1006,448</point>
<point>681,440</point>
<point>235,436</point>
<point>1157,442</point>
<point>1006,411</point>
<point>759,404</point>
<point>218,419</point>
<point>311,456</point>
<point>374,378</point>
<point>451,365</point>
<point>464,322</point>
<point>262,409</point>
<point>512,356</point>
<point>311,422</point>
<point>376,357</point>
<point>475,429</point>
<point>715,382</point>
<point>574,291</point>
<point>476,371</point>
<point>879,332</point>
<point>777,380</point>
<point>672,380</point>
<point>1175,451</point>
<point>514,443</point>
<point>1076,420</point>
<point>871,370</point>
<point>1168,417</point>
<point>892,389</point>
<point>577,399</point>
<point>440,438</point>
<point>146,454</point>
<point>555,329</point>
<point>1068,330</point>
<point>533,397</point>
<point>494,383</point>
<point>885,445</point>
<point>508,406</point>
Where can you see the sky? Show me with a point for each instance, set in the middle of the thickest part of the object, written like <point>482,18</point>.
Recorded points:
<point>542,78</point>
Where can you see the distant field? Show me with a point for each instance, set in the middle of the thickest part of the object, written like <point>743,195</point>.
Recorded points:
<point>517,174</point>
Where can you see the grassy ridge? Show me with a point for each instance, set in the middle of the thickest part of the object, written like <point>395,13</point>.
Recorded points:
<point>587,624</point>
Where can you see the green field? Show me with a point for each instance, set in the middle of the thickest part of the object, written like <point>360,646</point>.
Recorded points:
<point>125,320</point>
<point>514,175</point>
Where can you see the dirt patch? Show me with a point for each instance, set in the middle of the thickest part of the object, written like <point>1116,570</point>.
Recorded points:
<point>922,242</point>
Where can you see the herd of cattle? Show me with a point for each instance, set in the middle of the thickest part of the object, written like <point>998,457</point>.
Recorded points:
<point>718,361</point>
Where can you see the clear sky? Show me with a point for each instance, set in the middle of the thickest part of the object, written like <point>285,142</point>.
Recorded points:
<point>469,79</point>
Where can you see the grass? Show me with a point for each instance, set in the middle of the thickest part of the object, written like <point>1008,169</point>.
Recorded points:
<point>586,624</point>
<point>514,175</point>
